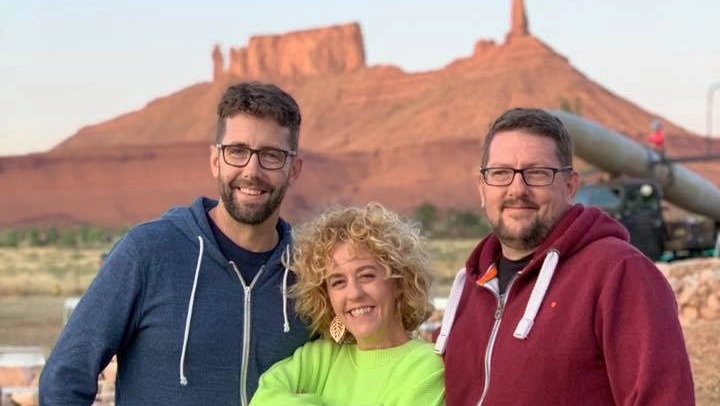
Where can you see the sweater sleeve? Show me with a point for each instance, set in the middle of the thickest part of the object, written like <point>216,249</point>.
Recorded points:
<point>102,320</point>
<point>643,345</point>
<point>297,380</point>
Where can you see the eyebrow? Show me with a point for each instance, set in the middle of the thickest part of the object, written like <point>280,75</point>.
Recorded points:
<point>530,165</point>
<point>246,145</point>
<point>360,269</point>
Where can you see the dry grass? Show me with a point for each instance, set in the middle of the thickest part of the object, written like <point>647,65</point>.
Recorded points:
<point>47,270</point>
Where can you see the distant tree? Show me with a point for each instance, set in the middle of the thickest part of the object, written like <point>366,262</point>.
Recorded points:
<point>465,224</point>
<point>9,238</point>
<point>68,237</point>
<point>51,236</point>
<point>426,215</point>
<point>574,108</point>
<point>565,105</point>
<point>578,107</point>
<point>32,237</point>
<point>93,235</point>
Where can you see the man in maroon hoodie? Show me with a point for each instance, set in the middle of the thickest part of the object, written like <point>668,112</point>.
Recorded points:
<point>555,307</point>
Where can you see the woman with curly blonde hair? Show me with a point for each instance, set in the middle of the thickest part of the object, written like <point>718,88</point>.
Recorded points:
<point>363,280</point>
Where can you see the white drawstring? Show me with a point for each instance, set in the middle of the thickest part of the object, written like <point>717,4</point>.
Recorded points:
<point>522,330</point>
<point>538,294</point>
<point>450,309</point>
<point>183,378</point>
<point>285,258</point>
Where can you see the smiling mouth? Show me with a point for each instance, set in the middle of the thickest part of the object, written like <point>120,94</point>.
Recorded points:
<point>251,191</point>
<point>359,311</point>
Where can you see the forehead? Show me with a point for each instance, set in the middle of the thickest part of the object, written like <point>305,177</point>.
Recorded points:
<point>511,148</point>
<point>346,256</point>
<point>256,132</point>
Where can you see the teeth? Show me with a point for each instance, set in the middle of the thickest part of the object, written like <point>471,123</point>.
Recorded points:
<point>360,311</point>
<point>252,192</point>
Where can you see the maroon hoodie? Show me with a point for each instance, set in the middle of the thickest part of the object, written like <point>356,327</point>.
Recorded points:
<point>606,333</point>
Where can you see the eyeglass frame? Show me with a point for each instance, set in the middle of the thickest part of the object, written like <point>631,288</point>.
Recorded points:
<point>286,154</point>
<point>555,171</point>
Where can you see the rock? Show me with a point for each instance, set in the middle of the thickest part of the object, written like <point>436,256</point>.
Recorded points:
<point>332,49</point>
<point>689,313</point>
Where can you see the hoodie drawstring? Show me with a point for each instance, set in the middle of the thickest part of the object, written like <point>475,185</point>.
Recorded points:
<point>450,309</point>
<point>538,294</point>
<point>522,330</point>
<point>183,378</point>
<point>286,263</point>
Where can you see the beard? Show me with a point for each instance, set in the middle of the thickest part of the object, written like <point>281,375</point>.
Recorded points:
<point>529,236</point>
<point>256,213</point>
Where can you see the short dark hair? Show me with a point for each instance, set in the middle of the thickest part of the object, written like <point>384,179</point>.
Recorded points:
<point>536,122</point>
<point>260,100</point>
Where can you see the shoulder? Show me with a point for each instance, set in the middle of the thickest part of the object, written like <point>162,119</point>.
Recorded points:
<point>320,348</point>
<point>422,353</point>
<point>156,234</point>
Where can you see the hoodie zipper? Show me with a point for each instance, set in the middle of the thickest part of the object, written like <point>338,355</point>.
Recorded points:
<point>247,313</point>
<point>494,332</point>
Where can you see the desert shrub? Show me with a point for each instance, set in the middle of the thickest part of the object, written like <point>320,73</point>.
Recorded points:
<point>9,238</point>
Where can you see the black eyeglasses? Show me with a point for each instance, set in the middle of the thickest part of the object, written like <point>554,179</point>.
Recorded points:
<point>239,156</point>
<point>537,176</point>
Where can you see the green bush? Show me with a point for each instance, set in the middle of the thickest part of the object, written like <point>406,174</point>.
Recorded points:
<point>9,238</point>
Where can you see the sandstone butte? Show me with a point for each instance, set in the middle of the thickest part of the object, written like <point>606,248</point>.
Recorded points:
<point>369,132</point>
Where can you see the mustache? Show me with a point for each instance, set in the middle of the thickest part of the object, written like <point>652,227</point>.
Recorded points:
<point>519,202</point>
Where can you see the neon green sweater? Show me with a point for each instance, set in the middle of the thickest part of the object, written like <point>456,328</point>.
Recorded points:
<point>324,373</point>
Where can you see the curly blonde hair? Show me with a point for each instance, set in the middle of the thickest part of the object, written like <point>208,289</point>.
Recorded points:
<point>394,243</point>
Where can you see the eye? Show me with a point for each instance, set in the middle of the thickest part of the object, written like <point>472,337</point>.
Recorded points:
<point>538,173</point>
<point>272,155</point>
<point>500,173</point>
<point>236,151</point>
<point>367,276</point>
<point>336,283</point>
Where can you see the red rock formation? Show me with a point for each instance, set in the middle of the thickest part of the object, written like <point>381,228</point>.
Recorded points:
<point>311,52</point>
<point>518,21</point>
<point>372,133</point>
<point>218,63</point>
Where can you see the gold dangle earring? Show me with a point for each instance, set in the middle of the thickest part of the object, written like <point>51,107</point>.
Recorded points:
<point>337,330</point>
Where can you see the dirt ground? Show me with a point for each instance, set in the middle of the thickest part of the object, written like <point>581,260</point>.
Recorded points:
<point>36,321</point>
<point>703,345</point>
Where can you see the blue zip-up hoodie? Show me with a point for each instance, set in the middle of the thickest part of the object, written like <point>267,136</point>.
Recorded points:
<point>186,328</point>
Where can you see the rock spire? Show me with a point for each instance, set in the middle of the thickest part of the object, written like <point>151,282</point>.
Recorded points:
<point>518,21</point>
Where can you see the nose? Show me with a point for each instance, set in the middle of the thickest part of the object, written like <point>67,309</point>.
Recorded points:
<point>253,166</point>
<point>517,187</point>
<point>354,290</point>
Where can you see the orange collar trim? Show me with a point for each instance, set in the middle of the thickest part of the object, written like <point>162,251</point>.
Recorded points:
<point>491,273</point>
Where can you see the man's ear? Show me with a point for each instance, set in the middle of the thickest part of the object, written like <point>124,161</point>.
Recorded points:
<point>295,169</point>
<point>479,183</point>
<point>572,185</point>
<point>214,163</point>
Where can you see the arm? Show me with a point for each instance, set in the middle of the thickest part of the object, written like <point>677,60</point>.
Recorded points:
<point>98,327</point>
<point>298,379</point>
<point>641,337</point>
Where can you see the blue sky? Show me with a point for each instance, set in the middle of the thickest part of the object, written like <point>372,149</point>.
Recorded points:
<point>65,64</point>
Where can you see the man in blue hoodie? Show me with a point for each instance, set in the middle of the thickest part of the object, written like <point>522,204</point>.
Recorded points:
<point>195,303</point>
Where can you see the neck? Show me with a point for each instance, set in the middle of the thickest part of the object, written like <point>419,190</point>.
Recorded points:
<point>397,339</point>
<point>515,254</point>
<point>261,237</point>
